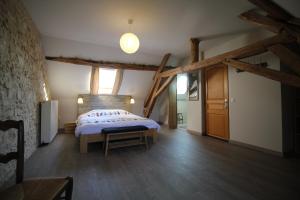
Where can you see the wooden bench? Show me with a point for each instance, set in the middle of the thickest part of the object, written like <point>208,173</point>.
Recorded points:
<point>124,137</point>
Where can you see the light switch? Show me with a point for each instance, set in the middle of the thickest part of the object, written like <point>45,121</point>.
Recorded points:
<point>232,100</point>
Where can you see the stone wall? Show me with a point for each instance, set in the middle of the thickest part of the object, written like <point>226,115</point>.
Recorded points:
<point>22,75</point>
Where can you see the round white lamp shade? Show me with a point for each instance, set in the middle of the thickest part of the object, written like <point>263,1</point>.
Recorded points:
<point>129,43</point>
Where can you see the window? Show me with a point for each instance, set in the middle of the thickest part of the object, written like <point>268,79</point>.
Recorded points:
<point>181,83</point>
<point>45,92</point>
<point>107,79</point>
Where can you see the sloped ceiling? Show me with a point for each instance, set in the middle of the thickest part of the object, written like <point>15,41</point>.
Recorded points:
<point>162,25</point>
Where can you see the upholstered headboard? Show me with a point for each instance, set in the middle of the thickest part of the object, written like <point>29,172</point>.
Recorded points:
<point>92,102</point>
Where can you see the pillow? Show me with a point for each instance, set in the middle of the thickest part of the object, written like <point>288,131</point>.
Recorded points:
<point>104,112</point>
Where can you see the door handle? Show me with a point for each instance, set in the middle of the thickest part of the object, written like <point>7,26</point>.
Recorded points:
<point>225,103</point>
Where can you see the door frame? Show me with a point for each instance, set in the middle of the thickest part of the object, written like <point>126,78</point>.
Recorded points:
<point>172,96</point>
<point>204,96</point>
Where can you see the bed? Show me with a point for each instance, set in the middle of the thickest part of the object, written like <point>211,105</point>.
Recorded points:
<point>107,111</point>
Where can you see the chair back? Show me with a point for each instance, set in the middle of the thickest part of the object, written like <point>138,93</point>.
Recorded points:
<point>19,154</point>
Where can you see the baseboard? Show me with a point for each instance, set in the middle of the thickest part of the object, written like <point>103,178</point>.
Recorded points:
<point>256,148</point>
<point>194,132</point>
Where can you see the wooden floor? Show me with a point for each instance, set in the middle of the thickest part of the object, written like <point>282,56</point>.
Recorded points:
<point>179,166</point>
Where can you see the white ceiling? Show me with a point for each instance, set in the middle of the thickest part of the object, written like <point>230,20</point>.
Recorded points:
<point>162,25</point>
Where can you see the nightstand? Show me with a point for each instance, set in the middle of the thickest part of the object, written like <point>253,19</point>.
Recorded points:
<point>69,128</point>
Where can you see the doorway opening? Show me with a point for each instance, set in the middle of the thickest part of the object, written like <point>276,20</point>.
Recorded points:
<point>182,98</point>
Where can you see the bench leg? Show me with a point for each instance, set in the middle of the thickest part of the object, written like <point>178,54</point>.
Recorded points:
<point>106,144</point>
<point>83,144</point>
<point>103,144</point>
<point>154,136</point>
<point>146,140</point>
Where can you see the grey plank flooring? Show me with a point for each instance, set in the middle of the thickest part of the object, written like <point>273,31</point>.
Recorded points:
<point>179,166</point>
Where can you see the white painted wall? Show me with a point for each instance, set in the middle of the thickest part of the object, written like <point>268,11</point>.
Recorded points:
<point>66,81</point>
<point>194,110</point>
<point>255,102</point>
<point>255,107</point>
<point>136,84</point>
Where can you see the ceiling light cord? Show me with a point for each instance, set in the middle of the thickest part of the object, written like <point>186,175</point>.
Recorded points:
<point>130,22</point>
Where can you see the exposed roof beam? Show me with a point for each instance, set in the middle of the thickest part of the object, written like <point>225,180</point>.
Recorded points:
<point>162,65</point>
<point>291,59</point>
<point>276,26</point>
<point>250,50</point>
<point>283,77</point>
<point>272,9</point>
<point>164,86</point>
<point>105,64</point>
<point>195,49</point>
<point>152,98</point>
<point>260,20</point>
<point>156,76</point>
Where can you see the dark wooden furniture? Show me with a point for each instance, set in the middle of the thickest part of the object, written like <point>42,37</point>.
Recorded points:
<point>124,137</point>
<point>69,128</point>
<point>39,188</point>
<point>98,137</point>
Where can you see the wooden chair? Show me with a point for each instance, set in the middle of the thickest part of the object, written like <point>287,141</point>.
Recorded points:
<point>40,188</point>
<point>180,118</point>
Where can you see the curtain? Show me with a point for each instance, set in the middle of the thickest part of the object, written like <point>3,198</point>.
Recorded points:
<point>118,81</point>
<point>94,82</point>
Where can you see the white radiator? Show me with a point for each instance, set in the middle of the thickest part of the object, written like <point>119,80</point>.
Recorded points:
<point>49,121</point>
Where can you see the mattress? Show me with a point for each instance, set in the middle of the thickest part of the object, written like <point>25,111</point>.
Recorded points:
<point>94,121</point>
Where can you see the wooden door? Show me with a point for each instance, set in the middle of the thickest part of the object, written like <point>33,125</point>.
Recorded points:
<point>290,97</point>
<point>217,118</point>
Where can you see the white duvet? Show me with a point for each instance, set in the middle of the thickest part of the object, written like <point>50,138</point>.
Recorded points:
<point>94,121</point>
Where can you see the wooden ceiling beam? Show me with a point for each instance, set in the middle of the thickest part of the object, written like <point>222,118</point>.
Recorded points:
<point>195,49</point>
<point>152,91</point>
<point>288,57</point>
<point>262,21</point>
<point>283,77</point>
<point>156,76</point>
<point>272,9</point>
<point>250,50</point>
<point>164,86</point>
<point>162,65</point>
<point>273,25</point>
<point>152,98</point>
<point>105,64</point>
<point>156,87</point>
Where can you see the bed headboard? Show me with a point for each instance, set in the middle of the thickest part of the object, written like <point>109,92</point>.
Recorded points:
<point>91,102</point>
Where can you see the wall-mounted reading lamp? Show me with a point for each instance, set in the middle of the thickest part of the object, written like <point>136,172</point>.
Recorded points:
<point>80,100</point>
<point>132,101</point>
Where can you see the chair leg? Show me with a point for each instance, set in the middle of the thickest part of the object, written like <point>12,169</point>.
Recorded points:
<point>69,188</point>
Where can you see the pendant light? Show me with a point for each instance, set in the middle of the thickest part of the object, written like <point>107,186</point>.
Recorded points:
<point>129,42</point>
